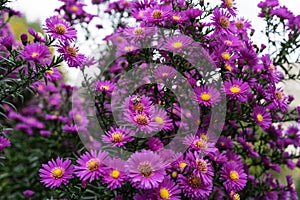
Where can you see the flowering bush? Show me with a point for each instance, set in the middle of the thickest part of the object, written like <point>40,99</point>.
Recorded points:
<point>185,105</point>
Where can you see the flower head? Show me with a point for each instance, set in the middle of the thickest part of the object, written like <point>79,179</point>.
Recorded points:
<point>234,177</point>
<point>207,95</point>
<point>114,174</point>
<point>105,86</point>
<point>36,52</point>
<point>177,43</point>
<point>56,172</point>
<point>262,117</point>
<point>118,136</point>
<point>237,89</point>
<point>70,55</point>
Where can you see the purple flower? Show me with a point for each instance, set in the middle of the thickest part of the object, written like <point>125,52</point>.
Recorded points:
<point>221,20</point>
<point>56,172</point>
<point>164,72</point>
<point>137,103</point>
<point>143,122</point>
<point>90,165</point>
<point>262,117</point>
<point>162,120</point>
<point>4,142</point>
<point>236,89</point>
<point>233,176</point>
<point>118,136</point>
<point>145,169</point>
<point>104,86</point>
<point>60,29</point>
<point>168,190</point>
<point>155,144</point>
<point>114,175</point>
<point>139,32</point>
<point>36,52</point>
<point>207,95</point>
<point>70,55</point>
<point>177,43</point>
<point>193,186</point>
<point>157,14</point>
<point>28,193</point>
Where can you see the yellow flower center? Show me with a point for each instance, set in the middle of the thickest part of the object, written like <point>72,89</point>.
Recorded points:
<point>228,42</point>
<point>239,25</point>
<point>235,89</point>
<point>71,51</point>
<point>176,18</point>
<point>60,29</point>
<point>164,74</point>
<point>50,71</point>
<point>236,196</point>
<point>279,95</point>
<point>93,164</point>
<point>141,14</point>
<point>228,3</point>
<point>205,96</point>
<point>159,120</point>
<point>156,14</point>
<point>117,137</point>
<point>234,175</point>
<point>259,117</point>
<point>164,193</point>
<point>78,117</point>
<point>174,174</point>
<point>129,48</point>
<point>195,181</point>
<point>138,31</point>
<point>177,45</point>
<point>34,54</point>
<point>202,166</point>
<point>139,107</point>
<point>200,144</point>
<point>204,137</point>
<point>104,87</point>
<point>74,8</point>
<point>115,173</point>
<point>142,120</point>
<point>182,165</point>
<point>225,56</point>
<point>228,67</point>
<point>57,172</point>
<point>145,169</point>
<point>224,22</point>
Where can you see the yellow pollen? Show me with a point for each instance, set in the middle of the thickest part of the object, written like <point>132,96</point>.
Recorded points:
<point>200,144</point>
<point>60,29</point>
<point>228,42</point>
<point>145,169</point>
<point>34,54</point>
<point>259,117</point>
<point>182,165</point>
<point>159,120</point>
<point>195,181</point>
<point>74,8</point>
<point>139,107</point>
<point>174,174</point>
<point>204,137</point>
<point>156,14</point>
<point>164,74</point>
<point>228,67</point>
<point>235,89</point>
<point>226,56</point>
<point>138,31</point>
<point>176,18</point>
<point>177,45</point>
<point>224,22</point>
<point>202,166</point>
<point>205,96</point>
<point>71,51</point>
<point>279,95</point>
<point>236,196</point>
<point>141,14</point>
<point>234,175</point>
<point>117,137</point>
<point>228,3</point>
<point>104,87</point>
<point>78,117</point>
<point>93,164</point>
<point>129,48</point>
<point>115,173</point>
<point>50,71</point>
<point>164,193</point>
<point>57,173</point>
<point>239,25</point>
<point>142,120</point>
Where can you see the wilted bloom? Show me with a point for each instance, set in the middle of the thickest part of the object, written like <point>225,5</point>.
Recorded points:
<point>145,169</point>
<point>90,165</point>
<point>60,29</point>
<point>56,172</point>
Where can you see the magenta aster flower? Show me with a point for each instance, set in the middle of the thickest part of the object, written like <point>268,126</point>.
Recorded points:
<point>262,117</point>
<point>164,72</point>
<point>198,144</point>
<point>162,120</point>
<point>137,103</point>
<point>38,36</point>
<point>230,5</point>
<point>154,144</point>
<point>193,186</point>
<point>56,172</point>
<point>36,52</point>
<point>177,43</point>
<point>237,89</point>
<point>207,95</point>
<point>233,176</point>
<point>221,20</point>
<point>4,142</point>
<point>70,55</point>
<point>145,169</point>
<point>143,122</point>
<point>168,190</point>
<point>90,165</point>
<point>28,193</point>
<point>157,14</point>
<point>60,29</point>
<point>118,136</point>
<point>140,32</point>
<point>105,86</point>
<point>114,175</point>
